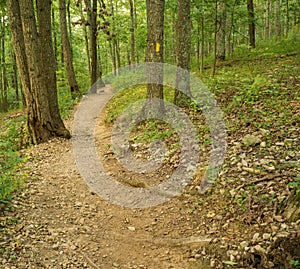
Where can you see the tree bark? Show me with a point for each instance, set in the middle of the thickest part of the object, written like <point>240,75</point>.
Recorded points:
<point>154,54</point>
<point>4,81</point>
<point>183,53</point>
<point>86,39</point>
<point>67,48</point>
<point>34,52</point>
<point>221,33</point>
<point>132,32</point>
<point>93,42</point>
<point>251,18</point>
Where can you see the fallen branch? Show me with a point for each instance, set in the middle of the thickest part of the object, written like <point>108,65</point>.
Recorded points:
<point>265,178</point>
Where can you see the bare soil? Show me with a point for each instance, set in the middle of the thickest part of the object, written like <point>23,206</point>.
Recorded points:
<point>58,222</point>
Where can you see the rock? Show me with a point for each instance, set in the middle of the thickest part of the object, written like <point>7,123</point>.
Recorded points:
<point>255,237</point>
<point>259,249</point>
<point>251,140</point>
<point>131,228</point>
<point>266,236</point>
<point>244,244</point>
<point>281,144</point>
<point>263,144</point>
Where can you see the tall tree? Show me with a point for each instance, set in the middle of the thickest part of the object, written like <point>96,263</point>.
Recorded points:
<point>67,48</point>
<point>32,43</point>
<point>183,52</point>
<point>132,30</point>
<point>221,32</point>
<point>154,54</point>
<point>251,17</point>
<point>3,80</point>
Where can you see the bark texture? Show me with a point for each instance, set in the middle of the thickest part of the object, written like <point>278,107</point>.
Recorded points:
<point>183,52</point>
<point>154,54</point>
<point>67,50</point>
<point>36,64</point>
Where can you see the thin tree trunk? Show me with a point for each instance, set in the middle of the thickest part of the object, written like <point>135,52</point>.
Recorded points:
<point>4,84</point>
<point>132,32</point>
<point>67,49</point>
<point>287,18</point>
<point>93,43</point>
<point>251,18</point>
<point>221,33</point>
<point>86,39</point>
<point>215,39</point>
<point>182,89</point>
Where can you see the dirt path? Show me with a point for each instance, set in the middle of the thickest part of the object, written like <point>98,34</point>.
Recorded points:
<point>59,222</point>
<point>63,224</point>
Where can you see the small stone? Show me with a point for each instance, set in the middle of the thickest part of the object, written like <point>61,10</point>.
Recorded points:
<point>281,144</point>
<point>131,228</point>
<point>116,265</point>
<point>244,244</point>
<point>255,236</point>
<point>260,249</point>
<point>263,144</point>
<point>266,236</point>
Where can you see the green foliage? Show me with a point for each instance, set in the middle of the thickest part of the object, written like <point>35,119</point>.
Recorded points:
<point>296,185</point>
<point>11,175</point>
<point>295,263</point>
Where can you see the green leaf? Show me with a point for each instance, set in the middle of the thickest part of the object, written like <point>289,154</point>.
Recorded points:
<point>229,263</point>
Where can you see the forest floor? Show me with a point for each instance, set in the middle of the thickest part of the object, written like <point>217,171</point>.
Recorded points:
<point>58,222</point>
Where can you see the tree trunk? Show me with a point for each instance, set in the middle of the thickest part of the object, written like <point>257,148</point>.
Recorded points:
<point>4,82</point>
<point>93,42</point>
<point>287,15</point>
<point>44,120</point>
<point>221,33</point>
<point>67,49</point>
<point>132,31</point>
<point>15,78</point>
<point>86,39</point>
<point>215,39</point>
<point>183,53</point>
<point>154,53</point>
<point>14,16</point>
<point>251,18</point>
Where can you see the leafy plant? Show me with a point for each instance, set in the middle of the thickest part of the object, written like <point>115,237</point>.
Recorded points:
<point>295,263</point>
<point>296,184</point>
<point>11,176</point>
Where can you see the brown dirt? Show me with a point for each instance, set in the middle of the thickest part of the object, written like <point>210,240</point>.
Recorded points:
<point>58,222</point>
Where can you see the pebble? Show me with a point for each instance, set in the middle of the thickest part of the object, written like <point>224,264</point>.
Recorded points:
<point>255,237</point>
<point>266,236</point>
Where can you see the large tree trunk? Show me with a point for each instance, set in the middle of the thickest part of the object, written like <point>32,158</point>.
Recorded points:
<point>251,18</point>
<point>154,54</point>
<point>67,48</point>
<point>183,53</point>
<point>44,119</point>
